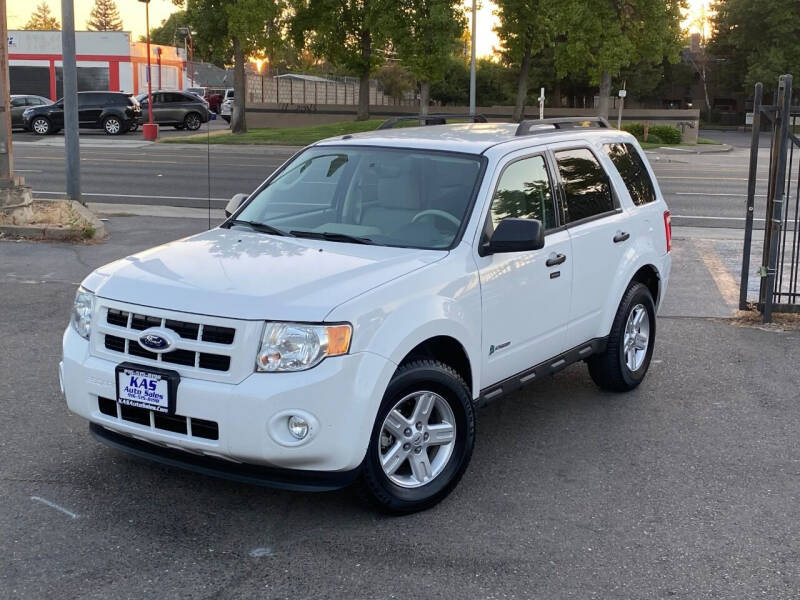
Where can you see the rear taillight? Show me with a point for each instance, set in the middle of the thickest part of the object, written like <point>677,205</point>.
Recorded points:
<point>668,229</point>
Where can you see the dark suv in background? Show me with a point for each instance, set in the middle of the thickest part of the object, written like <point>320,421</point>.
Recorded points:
<point>182,110</point>
<point>114,112</point>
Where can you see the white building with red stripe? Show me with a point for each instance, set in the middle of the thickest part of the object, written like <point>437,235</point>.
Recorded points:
<point>107,60</point>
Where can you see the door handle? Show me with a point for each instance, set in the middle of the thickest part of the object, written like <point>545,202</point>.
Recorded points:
<point>555,259</point>
<point>621,237</point>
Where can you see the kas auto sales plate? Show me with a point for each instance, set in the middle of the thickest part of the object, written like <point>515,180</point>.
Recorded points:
<point>147,387</point>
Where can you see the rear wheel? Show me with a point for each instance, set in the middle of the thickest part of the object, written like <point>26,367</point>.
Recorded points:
<point>192,121</point>
<point>422,439</point>
<point>626,359</point>
<point>112,126</point>
<point>41,126</point>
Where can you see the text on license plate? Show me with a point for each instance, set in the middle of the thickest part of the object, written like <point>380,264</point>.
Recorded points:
<point>143,390</point>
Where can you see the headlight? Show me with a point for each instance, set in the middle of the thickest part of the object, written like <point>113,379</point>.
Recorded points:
<point>81,317</point>
<point>298,346</point>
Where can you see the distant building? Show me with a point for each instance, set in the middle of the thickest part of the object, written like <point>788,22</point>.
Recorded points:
<point>106,60</point>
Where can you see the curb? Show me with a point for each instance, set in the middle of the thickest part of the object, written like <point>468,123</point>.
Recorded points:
<point>60,234</point>
<point>699,149</point>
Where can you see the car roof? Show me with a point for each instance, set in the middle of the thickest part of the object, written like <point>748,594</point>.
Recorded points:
<point>470,138</point>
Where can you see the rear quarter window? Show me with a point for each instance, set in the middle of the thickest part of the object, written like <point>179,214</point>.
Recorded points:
<point>587,191</point>
<point>629,163</point>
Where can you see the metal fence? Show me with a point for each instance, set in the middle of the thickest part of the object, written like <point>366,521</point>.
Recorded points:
<point>779,289</point>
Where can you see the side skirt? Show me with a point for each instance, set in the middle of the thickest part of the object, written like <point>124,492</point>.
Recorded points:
<point>548,367</point>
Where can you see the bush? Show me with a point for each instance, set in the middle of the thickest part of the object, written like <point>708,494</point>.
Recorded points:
<point>635,129</point>
<point>667,133</point>
<point>656,134</point>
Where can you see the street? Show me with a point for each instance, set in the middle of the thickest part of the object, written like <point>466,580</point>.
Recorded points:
<point>704,190</point>
<point>684,488</point>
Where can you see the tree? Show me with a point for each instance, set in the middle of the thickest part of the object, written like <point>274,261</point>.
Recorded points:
<point>426,33</point>
<point>232,30</point>
<point>604,36</point>
<point>760,40</point>
<point>104,17</point>
<point>395,79</point>
<point>349,33</point>
<point>525,27</point>
<point>42,19</point>
<point>166,34</point>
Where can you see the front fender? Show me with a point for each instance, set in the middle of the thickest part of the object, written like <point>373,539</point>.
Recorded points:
<point>441,299</point>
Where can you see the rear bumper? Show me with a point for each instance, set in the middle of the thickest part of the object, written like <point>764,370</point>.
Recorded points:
<point>287,479</point>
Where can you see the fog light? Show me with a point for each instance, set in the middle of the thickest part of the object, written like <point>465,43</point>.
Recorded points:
<point>298,427</point>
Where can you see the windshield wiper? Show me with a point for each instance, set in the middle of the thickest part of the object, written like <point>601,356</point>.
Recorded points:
<point>262,227</point>
<point>334,237</point>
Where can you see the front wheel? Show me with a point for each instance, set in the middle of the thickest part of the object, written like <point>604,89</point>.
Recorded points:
<point>626,359</point>
<point>422,439</point>
<point>112,126</point>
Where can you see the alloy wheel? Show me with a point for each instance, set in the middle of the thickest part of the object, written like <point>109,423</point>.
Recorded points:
<point>41,126</point>
<point>193,122</point>
<point>637,337</point>
<point>113,126</point>
<point>417,439</point>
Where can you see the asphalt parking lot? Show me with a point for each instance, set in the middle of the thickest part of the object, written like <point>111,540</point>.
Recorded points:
<point>686,488</point>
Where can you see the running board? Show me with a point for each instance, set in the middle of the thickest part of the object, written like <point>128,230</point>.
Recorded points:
<point>548,367</point>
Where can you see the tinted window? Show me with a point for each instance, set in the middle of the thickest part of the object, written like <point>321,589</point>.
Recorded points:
<point>524,192</point>
<point>172,97</point>
<point>16,102</point>
<point>93,99</point>
<point>36,101</point>
<point>633,172</point>
<point>587,191</point>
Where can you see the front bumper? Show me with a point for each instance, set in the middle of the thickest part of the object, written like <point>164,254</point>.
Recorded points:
<point>339,397</point>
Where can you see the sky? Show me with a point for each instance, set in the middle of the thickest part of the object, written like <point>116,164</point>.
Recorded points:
<point>133,16</point>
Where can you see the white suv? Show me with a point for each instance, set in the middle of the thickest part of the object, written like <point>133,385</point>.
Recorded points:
<point>347,319</point>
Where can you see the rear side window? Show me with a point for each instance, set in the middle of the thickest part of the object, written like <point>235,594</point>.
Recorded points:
<point>524,192</point>
<point>631,168</point>
<point>587,191</point>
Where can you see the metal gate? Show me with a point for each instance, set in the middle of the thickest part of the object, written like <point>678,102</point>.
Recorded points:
<point>779,290</point>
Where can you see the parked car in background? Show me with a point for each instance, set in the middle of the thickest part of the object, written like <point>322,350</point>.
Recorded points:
<point>213,95</point>
<point>19,102</point>
<point>182,110</point>
<point>114,112</point>
<point>226,108</point>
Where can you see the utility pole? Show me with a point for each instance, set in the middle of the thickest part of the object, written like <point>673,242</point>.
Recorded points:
<point>149,129</point>
<point>72,147</point>
<point>472,59</point>
<point>6,157</point>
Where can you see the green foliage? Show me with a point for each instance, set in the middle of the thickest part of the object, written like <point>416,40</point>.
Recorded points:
<point>524,27</point>
<point>453,88</point>
<point>166,34</point>
<point>607,36</point>
<point>42,19</point>
<point>760,40</point>
<point>425,34</point>
<point>395,79</point>
<point>656,134</point>
<point>666,133</point>
<point>635,129</point>
<point>104,17</point>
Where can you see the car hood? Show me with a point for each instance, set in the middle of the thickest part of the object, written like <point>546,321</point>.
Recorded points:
<point>249,275</point>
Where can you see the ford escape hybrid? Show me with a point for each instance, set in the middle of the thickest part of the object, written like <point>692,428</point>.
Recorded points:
<point>347,318</point>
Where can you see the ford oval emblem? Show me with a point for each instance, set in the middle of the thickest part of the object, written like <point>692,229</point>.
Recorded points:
<point>157,340</point>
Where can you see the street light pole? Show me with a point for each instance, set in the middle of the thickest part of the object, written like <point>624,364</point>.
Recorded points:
<point>72,148</point>
<point>149,129</point>
<point>472,59</point>
<point>6,157</point>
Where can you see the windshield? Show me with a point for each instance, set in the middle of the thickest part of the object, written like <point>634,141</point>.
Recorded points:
<point>394,197</point>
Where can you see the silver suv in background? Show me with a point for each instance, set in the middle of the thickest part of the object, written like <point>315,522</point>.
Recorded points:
<point>226,108</point>
<point>182,110</point>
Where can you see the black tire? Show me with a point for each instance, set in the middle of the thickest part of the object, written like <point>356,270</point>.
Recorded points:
<point>610,370</point>
<point>41,126</point>
<point>421,375</point>
<point>113,126</point>
<point>133,127</point>
<point>192,121</point>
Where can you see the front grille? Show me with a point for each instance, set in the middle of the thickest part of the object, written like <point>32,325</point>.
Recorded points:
<point>188,426</point>
<point>194,332</point>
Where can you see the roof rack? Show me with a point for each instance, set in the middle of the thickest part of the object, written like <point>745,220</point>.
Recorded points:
<point>534,126</point>
<point>435,119</point>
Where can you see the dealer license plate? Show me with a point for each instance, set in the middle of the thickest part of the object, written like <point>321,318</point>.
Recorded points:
<point>147,388</point>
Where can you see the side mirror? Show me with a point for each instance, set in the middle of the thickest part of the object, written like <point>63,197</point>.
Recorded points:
<point>516,235</point>
<point>234,203</point>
